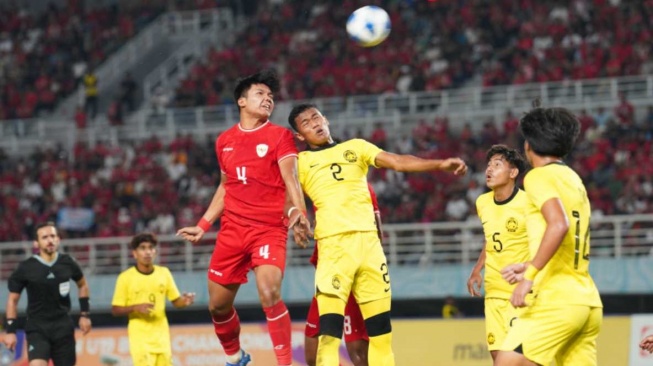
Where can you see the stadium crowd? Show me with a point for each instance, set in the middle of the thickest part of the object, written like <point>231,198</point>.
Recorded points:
<point>433,45</point>
<point>149,185</point>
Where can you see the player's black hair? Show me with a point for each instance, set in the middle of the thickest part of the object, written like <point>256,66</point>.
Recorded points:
<point>550,131</point>
<point>266,77</point>
<point>296,111</point>
<point>512,156</point>
<point>41,226</point>
<point>142,238</point>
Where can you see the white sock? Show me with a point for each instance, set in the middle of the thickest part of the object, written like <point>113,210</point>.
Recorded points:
<point>236,357</point>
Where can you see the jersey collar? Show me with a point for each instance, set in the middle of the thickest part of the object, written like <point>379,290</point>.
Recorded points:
<point>49,264</point>
<point>514,193</point>
<point>324,147</point>
<point>253,129</point>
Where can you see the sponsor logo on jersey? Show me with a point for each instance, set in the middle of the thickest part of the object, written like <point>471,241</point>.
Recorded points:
<point>261,150</point>
<point>228,149</point>
<point>219,274</point>
<point>335,282</point>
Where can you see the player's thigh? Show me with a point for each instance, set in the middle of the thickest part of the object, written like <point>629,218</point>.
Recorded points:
<point>230,261</point>
<point>267,245</point>
<point>63,349</point>
<point>354,327</point>
<point>312,328</point>
<point>542,331</point>
<point>500,315</point>
<point>38,346</point>
<point>581,350</point>
<point>337,265</point>
<point>373,278</point>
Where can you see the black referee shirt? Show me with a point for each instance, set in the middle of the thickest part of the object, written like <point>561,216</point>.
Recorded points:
<point>48,285</point>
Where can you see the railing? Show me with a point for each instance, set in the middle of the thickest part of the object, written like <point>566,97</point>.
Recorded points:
<point>168,26</point>
<point>468,105</point>
<point>422,245</point>
<point>174,68</point>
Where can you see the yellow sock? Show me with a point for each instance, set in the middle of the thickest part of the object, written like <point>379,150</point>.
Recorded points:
<point>327,351</point>
<point>380,351</point>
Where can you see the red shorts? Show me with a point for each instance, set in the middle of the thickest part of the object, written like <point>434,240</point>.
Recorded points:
<point>240,248</point>
<point>354,327</point>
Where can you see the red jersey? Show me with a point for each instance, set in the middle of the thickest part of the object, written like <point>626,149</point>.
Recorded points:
<point>375,204</point>
<point>254,191</point>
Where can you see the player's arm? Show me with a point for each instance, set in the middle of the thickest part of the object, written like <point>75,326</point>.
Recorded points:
<point>475,279</point>
<point>379,225</point>
<point>10,320</point>
<point>410,163</point>
<point>84,306</point>
<point>297,212</point>
<point>557,225</point>
<point>186,299</point>
<point>195,233</point>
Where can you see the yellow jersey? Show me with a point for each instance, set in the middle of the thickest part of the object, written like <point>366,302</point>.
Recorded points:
<point>566,278</point>
<point>506,238</point>
<point>334,177</point>
<point>150,332</point>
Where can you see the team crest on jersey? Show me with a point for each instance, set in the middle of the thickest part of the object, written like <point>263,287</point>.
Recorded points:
<point>512,225</point>
<point>490,339</point>
<point>350,156</point>
<point>64,289</point>
<point>335,282</point>
<point>261,150</point>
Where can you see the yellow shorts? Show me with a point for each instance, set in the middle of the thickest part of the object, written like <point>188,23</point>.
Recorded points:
<point>500,315</point>
<point>144,358</point>
<point>353,262</point>
<point>566,333</point>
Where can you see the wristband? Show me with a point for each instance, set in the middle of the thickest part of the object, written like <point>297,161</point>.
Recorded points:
<point>85,315</point>
<point>10,326</point>
<point>290,210</point>
<point>531,272</point>
<point>204,224</point>
<point>84,304</point>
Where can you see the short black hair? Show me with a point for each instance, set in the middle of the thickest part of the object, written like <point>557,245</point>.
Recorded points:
<point>41,226</point>
<point>266,77</point>
<point>512,156</point>
<point>296,111</point>
<point>142,238</point>
<point>550,131</point>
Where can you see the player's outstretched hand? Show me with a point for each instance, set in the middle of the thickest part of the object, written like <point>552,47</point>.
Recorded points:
<point>455,165</point>
<point>474,283</point>
<point>191,233</point>
<point>188,297</point>
<point>10,341</point>
<point>85,324</point>
<point>513,273</point>
<point>647,344</point>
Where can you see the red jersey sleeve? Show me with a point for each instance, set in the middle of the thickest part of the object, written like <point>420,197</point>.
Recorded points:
<point>286,147</point>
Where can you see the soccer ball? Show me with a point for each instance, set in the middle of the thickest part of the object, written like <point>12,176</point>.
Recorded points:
<point>368,26</point>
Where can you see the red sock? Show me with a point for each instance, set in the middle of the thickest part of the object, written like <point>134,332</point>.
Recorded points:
<point>227,328</point>
<point>280,330</point>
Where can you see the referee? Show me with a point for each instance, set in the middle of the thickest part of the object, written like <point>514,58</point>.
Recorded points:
<point>49,329</point>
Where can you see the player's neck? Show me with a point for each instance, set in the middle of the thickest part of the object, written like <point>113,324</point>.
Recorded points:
<point>328,143</point>
<point>145,268</point>
<point>48,258</point>
<point>250,123</point>
<point>504,192</point>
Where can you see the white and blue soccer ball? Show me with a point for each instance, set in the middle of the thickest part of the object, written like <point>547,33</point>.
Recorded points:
<point>369,26</point>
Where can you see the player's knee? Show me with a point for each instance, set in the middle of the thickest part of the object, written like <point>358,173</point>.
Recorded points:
<point>332,325</point>
<point>378,324</point>
<point>219,309</point>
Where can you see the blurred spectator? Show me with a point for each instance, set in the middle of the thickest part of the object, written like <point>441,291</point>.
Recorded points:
<point>450,309</point>
<point>128,88</point>
<point>90,82</point>
<point>80,118</point>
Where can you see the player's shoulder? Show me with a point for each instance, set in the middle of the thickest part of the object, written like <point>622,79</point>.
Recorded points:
<point>484,199</point>
<point>163,270</point>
